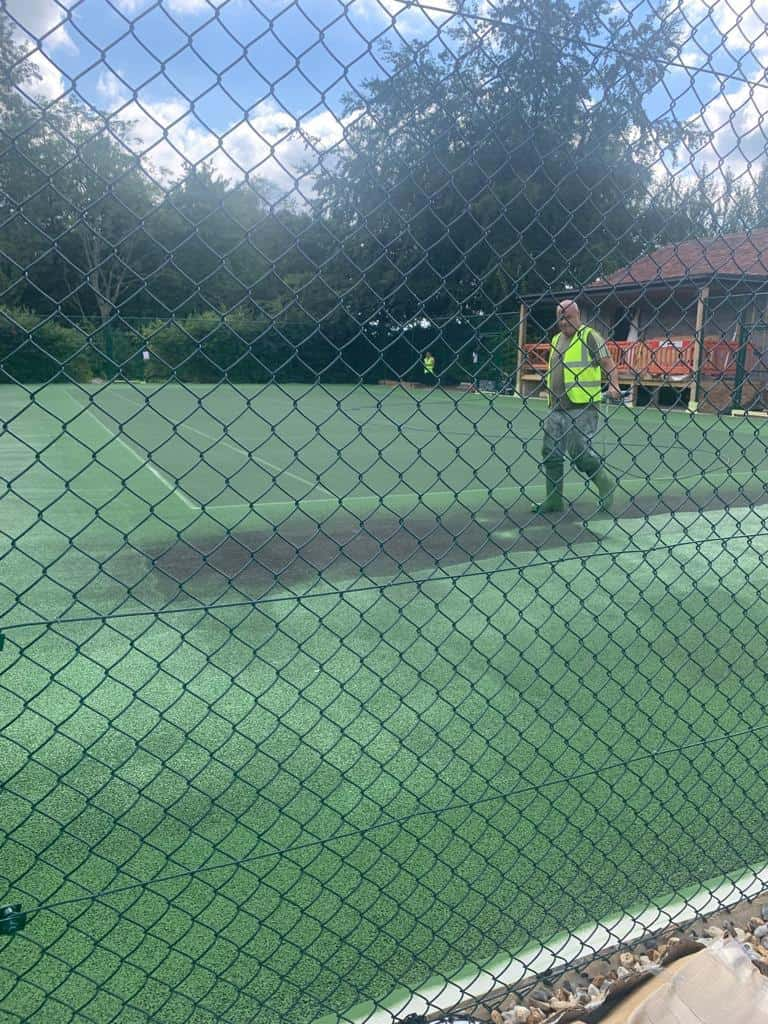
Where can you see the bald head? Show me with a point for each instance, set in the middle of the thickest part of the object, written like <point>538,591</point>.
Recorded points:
<point>568,317</point>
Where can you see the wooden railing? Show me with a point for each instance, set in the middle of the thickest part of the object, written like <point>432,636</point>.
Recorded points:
<point>656,359</point>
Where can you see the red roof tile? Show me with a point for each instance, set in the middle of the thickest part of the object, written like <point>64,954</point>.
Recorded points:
<point>729,254</point>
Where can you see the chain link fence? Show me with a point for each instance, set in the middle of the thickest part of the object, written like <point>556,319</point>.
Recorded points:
<point>337,663</point>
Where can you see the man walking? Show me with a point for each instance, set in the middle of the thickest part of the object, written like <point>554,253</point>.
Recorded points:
<point>577,358</point>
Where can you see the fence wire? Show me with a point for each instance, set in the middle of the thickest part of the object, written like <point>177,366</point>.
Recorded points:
<point>382,530</point>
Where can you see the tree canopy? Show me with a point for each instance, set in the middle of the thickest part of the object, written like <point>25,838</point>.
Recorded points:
<point>519,159</point>
<point>518,156</point>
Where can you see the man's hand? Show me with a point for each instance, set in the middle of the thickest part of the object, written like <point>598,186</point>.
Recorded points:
<point>612,373</point>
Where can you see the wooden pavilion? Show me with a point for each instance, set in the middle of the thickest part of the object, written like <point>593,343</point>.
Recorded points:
<point>687,325</point>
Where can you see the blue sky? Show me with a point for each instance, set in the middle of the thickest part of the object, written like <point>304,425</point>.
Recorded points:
<point>253,85</point>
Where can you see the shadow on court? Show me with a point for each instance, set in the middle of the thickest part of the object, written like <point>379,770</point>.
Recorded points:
<point>218,565</point>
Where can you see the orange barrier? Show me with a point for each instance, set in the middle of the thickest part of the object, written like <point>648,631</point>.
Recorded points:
<point>719,359</point>
<point>669,358</point>
<point>536,357</point>
<point>659,359</point>
<point>620,351</point>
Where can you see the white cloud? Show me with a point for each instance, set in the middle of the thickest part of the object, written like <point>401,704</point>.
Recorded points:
<point>40,27</point>
<point>729,36</point>
<point>34,19</point>
<point>269,144</point>
<point>51,84</point>
<point>736,126</point>
<point>720,31</point>
<point>111,91</point>
<point>174,6</point>
<point>409,19</point>
<point>740,25</point>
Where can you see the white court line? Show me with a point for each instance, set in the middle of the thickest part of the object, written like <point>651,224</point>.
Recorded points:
<point>145,463</point>
<point>530,489</point>
<point>240,451</point>
<point>256,458</point>
<point>591,940</point>
<point>31,459</point>
<point>389,497</point>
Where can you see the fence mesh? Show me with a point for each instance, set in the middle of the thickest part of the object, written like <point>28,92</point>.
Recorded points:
<point>334,660</point>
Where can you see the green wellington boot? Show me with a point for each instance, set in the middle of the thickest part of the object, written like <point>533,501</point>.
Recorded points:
<point>606,489</point>
<point>553,502</point>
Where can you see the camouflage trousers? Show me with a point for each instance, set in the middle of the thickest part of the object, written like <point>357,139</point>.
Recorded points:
<point>571,432</point>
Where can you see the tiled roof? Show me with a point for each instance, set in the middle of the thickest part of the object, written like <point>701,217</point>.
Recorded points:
<point>729,254</point>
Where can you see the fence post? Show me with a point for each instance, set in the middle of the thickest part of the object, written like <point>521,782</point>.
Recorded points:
<point>698,348</point>
<point>741,362</point>
<point>521,330</point>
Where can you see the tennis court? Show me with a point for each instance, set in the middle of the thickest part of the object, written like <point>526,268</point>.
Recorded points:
<point>298,704</point>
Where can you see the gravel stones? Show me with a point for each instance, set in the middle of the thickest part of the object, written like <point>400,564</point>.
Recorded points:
<point>582,995</point>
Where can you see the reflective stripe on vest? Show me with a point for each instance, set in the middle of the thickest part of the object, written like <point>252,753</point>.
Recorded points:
<point>582,377</point>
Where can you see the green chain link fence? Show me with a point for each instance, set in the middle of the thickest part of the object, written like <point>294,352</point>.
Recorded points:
<point>302,704</point>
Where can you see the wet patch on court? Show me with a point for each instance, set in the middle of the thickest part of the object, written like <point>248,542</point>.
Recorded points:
<point>216,565</point>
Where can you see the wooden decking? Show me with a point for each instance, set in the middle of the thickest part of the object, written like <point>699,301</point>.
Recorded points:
<point>653,363</point>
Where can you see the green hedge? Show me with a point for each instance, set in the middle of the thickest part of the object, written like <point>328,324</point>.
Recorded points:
<point>116,352</point>
<point>207,347</point>
<point>35,351</point>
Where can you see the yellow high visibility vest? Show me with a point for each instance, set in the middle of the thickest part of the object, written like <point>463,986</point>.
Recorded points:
<point>429,364</point>
<point>581,375</point>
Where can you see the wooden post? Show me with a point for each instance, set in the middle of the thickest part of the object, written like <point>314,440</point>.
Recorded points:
<point>698,348</point>
<point>741,364</point>
<point>521,329</point>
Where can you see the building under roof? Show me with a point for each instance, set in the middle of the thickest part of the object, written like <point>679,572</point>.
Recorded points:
<point>699,293</point>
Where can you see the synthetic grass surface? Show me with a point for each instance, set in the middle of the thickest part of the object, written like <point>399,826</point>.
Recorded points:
<point>276,810</point>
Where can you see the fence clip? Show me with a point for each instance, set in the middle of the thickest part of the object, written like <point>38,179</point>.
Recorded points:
<point>12,919</point>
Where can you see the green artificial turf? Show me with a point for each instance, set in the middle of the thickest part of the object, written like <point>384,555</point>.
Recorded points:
<point>306,796</point>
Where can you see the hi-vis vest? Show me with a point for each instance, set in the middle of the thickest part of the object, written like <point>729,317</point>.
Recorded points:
<point>429,364</point>
<point>581,375</point>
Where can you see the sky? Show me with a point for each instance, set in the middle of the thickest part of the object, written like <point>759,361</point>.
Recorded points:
<point>257,86</point>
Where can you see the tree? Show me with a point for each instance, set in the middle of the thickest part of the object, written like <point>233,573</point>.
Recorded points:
<point>16,83</point>
<point>73,198</point>
<point>106,198</point>
<point>715,203</point>
<point>25,165</point>
<point>519,160</point>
